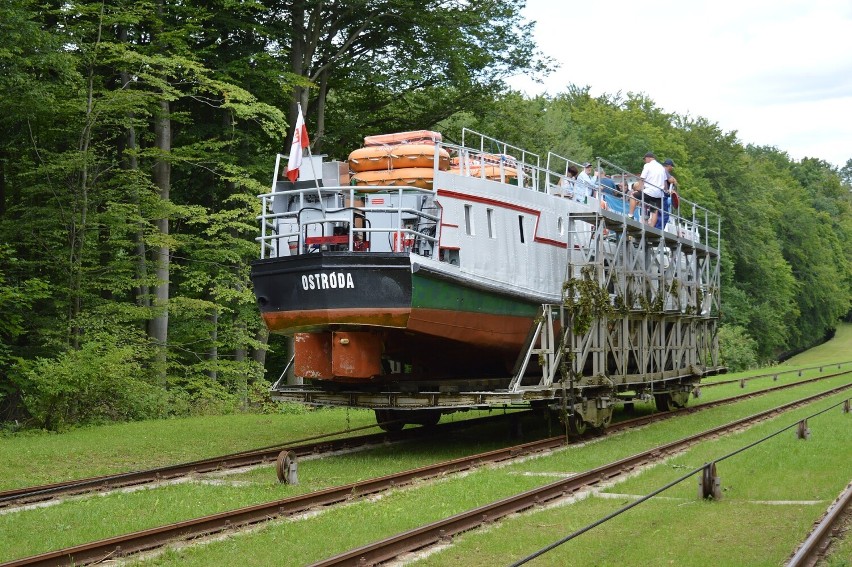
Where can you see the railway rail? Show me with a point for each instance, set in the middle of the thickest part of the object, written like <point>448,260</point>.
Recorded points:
<point>815,546</point>
<point>775,375</point>
<point>429,534</point>
<point>157,537</point>
<point>319,445</point>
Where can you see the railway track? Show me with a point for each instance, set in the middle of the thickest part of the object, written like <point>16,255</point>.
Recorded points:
<point>815,546</point>
<point>775,375</point>
<point>313,446</point>
<point>429,534</point>
<point>156,537</point>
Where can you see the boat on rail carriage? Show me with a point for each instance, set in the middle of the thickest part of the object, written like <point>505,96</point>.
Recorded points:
<point>421,277</point>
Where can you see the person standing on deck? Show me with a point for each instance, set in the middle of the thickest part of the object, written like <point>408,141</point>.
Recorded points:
<point>671,180</point>
<point>585,184</point>
<point>669,200</point>
<point>652,182</point>
<point>607,183</point>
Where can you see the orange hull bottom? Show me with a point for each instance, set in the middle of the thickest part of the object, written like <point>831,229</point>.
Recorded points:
<point>349,344</point>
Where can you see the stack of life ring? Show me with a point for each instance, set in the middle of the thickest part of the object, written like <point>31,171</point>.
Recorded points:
<point>408,164</point>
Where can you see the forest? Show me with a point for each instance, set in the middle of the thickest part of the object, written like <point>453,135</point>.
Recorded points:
<point>137,135</point>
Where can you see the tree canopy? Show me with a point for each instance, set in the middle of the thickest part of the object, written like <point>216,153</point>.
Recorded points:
<point>136,136</point>
<point>785,224</point>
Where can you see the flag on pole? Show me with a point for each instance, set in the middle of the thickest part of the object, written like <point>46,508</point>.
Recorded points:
<point>300,142</point>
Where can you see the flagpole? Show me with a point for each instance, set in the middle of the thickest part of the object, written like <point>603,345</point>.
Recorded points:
<point>313,169</point>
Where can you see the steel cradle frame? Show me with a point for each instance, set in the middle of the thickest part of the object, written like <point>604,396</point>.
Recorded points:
<point>661,334</point>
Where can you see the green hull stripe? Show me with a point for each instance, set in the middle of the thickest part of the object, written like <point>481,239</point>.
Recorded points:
<point>428,293</point>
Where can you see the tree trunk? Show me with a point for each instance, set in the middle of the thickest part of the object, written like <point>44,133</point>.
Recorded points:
<point>79,219</point>
<point>240,351</point>
<point>298,54</point>
<point>259,354</point>
<point>320,104</point>
<point>158,329</point>
<point>240,358</point>
<point>131,163</point>
<point>239,324</point>
<point>213,351</point>
<point>2,185</point>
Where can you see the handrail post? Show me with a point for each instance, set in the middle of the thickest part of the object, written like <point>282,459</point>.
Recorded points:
<point>263,228</point>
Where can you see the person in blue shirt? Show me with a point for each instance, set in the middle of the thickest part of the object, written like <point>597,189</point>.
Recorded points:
<point>668,199</point>
<point>671,180</point>
<point>567,184</point>
<point>608,184</point>
<point>611,193</point>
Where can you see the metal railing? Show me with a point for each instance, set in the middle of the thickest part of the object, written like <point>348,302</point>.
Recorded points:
<point>478,156</point>
<point>327,218</point>
<point>528,164</point>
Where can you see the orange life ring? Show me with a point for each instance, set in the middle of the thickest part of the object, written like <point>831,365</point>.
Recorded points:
<point>491,171</point>
<point>413,137</point>
<point>675,200</point>
<point>397,157</point>
<point>409,176</point>
<point>476,159</point>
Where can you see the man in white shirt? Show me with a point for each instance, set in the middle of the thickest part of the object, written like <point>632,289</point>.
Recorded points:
<point>650,186</point>
<point>586,183</point>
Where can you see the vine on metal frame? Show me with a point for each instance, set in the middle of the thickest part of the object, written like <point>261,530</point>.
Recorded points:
<point>584,300</point>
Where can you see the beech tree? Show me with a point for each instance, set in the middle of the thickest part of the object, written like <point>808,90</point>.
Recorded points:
<point>395,65</point>
<point>94,192</point>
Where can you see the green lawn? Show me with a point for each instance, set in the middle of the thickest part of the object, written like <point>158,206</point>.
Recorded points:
<point>838,349</point>
<point>771,496</point>
<point>676,530</point>
<point>33,458</point>
<point>746,528</point>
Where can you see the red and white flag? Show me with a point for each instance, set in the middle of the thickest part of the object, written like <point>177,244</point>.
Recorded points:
<point>300,142</point>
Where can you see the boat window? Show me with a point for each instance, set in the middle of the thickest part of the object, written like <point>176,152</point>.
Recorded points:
<point>490,214</point>
<point>468,221</point>
<point>521,227</point>
<point>560,226</point>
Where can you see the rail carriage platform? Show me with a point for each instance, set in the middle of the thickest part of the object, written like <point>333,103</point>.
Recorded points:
<point>473,283</point>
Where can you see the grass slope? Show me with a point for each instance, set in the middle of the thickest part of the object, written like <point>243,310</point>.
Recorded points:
<point>838,349</point>
<point>33,458</point>
<point>746,527</point>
